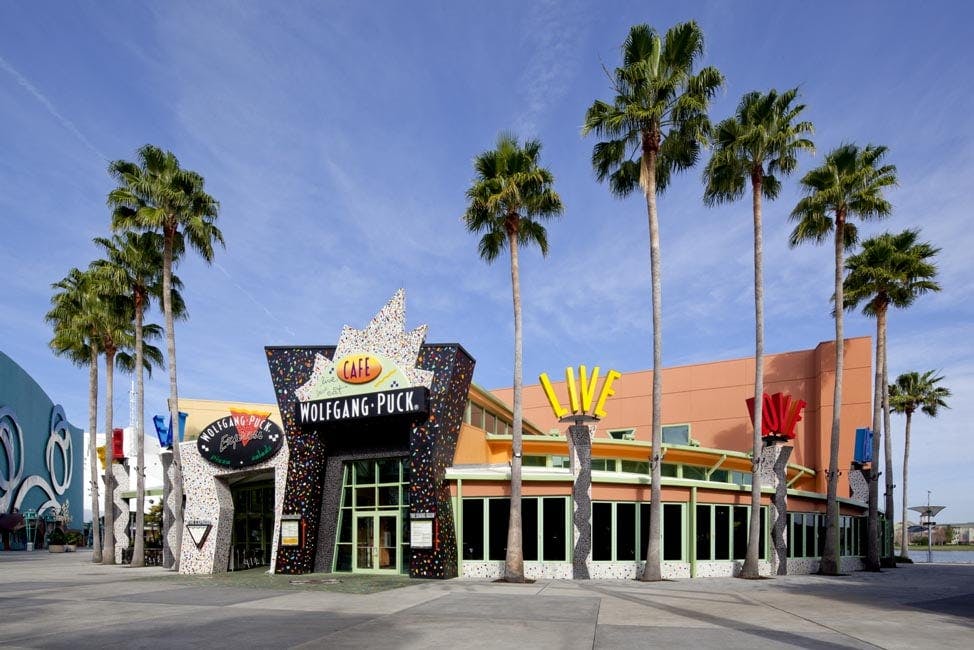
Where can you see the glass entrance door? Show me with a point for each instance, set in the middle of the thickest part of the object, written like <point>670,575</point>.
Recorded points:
<point>376,542</point>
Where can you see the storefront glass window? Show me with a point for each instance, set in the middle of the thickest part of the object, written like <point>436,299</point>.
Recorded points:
<point>555,539</point>
<point>602,531</point>
<point>473,529</point>
<point>625,531</point>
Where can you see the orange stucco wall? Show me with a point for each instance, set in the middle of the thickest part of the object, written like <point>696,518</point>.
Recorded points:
<point>711,398</point>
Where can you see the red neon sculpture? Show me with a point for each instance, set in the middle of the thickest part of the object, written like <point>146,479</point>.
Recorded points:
<point>779,415</point>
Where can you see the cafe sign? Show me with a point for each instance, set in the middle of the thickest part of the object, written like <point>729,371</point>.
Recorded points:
<point>240,439</point>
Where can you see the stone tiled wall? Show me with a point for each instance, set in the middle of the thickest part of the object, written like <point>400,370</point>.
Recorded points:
<point>208,498</point>
<point>563,570</point>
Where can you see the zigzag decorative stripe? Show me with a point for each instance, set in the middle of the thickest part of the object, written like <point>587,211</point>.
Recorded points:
<point>121,475</point>
<point>168,512</point>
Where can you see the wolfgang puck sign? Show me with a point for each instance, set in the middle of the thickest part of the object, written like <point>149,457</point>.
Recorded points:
<point>240,439</point>
<point>405,401</point>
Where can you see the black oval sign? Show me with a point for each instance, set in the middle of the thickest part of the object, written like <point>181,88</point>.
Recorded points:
<point>240,440</point>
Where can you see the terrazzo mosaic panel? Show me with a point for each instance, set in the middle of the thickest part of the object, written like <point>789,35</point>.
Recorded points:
<point>859,485</point>
<point>208,498</point>
<point>290,368</point>
<point>581,453</point>
<point>803,566</point>
<point>564,570</point>
<point>121,507</point>
<point>168,508</point>
<point>728,569</point>
<point>432,446</point>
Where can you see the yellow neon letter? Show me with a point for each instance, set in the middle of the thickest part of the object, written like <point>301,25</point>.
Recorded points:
<point>556,407</point>
<point>572,391</point>
<point>606,392</point>
<point>587,386</point>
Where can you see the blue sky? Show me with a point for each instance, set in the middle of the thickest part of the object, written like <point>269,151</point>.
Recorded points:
<point>338,138</point>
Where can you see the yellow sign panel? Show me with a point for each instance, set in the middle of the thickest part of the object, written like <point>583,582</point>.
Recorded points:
<point>580,401</point>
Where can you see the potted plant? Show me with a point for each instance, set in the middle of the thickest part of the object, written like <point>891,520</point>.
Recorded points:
<point>56,541</point>
<point>73,540</point>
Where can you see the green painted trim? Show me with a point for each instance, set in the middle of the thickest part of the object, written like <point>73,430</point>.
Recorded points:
<point>458,517</point>
<point>797,476</point>
<point>716,466</point>
<point>133,494</point>
<point>692,525</point>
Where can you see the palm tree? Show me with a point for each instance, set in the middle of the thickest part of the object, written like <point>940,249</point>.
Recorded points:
<point>654,126</point>
<point>761,140</point>
<point>849,183</point>
<point>114,330</point>
<point>157,195</point>
<point>74,317</point>
<point>511,195</point>
<point>134,264</point>
<point>914,391</point>
<point>890,271</point>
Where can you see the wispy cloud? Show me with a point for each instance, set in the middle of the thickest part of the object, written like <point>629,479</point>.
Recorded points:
<point>25,83</point>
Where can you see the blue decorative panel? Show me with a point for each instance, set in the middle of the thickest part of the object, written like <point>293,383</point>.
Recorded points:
<point>41,453</point>
<point>864,446</point>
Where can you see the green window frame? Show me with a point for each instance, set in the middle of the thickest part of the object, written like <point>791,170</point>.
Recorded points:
<point>545,522</point>
<point>378,485</point>
<point>620,530</point>
<point>721,532</point>
<point>676,434</point>
<point>622,434</point>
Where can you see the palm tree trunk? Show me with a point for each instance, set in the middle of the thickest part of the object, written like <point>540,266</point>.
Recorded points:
<point>93,454</point>
<point>653,570</point>
<point>750,568</point>
<point>872,522</point>
<point>904,533</point>
<point>514,570</point>
<point>830,551</point>
<point>108,557</point>
<point>888,450</point>
<point>138,551</point>
<point>177,466</point>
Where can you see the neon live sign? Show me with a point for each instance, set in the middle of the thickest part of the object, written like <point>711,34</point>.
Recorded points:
<point>779,414</point>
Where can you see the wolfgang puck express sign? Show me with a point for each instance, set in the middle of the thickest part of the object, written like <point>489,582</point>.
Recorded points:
<point>240,439</point>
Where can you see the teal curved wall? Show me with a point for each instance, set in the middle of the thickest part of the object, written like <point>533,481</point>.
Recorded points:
<point>41,453</point>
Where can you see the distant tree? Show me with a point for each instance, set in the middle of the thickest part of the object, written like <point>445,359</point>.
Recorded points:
<point>849,183</point>
<point>890,271</point>
<point>759,143</point>
<point>914,391</point>
<point>511,195</point>
<point>949,533</point>
<point>654,127</point>
<point>158,195</point>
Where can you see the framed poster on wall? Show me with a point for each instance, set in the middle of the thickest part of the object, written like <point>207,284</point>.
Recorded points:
<point>290,530</point>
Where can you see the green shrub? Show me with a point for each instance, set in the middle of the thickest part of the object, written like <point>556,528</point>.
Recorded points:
<point>56,537</point>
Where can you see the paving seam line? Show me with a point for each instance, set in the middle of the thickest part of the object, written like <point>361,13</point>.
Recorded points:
<point>808,620</point>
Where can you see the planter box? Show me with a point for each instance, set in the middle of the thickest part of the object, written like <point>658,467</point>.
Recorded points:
<point>56,548</point>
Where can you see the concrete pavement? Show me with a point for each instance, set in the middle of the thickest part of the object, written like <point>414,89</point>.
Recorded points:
<point>54,601</point>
